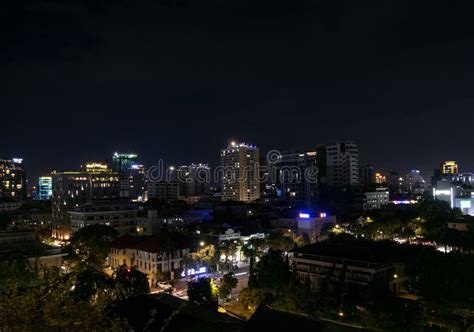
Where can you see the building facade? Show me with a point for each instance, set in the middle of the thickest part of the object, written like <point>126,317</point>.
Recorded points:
<point>12,179</point>
<point>367,175</point>
<point>359,264</point>
<point>240,172</point>
<point>295,177</point>
<point>72,189</point>
<point>449,167</point>
<point>153,255</point>
<point>122,162</point>
<point>165,191</point>
<point>120,214</point>
<point>45,188</point>
<point>414,182</point>
<point>342,163</point>
<point>136,182</point>
<point>194,180</point>
<point>376,199</point>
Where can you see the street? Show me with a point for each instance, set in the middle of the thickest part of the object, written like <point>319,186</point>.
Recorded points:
<point>181,285</point>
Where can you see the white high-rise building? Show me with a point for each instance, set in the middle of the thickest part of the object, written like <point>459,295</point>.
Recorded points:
<point>342,164</point>
<point>239,173</point>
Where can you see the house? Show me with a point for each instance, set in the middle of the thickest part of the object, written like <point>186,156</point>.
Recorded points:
<point>154,255</point>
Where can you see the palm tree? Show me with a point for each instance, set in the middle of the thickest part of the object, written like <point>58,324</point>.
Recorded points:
<point>251,250</point>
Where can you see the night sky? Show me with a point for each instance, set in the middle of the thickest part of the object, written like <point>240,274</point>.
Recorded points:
<point>178,79</point>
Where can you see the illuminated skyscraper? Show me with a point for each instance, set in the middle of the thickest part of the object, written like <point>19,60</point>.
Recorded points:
<point>131,174</point>
<point>121,162</point>
<point>290,174</point>
<point>414,182</point>
<point>194,180</point>
<point>45,188</point>
<point>366,175</point>
<point>239,174</point>
<point>72,189</point>
<point>12,178</point>
<point>136,182</point>
<point>380,178</point>
<point>449,167</point>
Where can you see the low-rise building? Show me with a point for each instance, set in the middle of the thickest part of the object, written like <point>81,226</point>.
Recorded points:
<point>119,214</point>
<point>8,204</point>
<point>376,199</point>
<point>360,263</point>
<point>165,191</point>
<point>123,251</point>
<point>307,224</point>
<point>155,255</point>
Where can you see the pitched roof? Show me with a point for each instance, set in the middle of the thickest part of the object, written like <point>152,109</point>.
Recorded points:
<point>125,242</point>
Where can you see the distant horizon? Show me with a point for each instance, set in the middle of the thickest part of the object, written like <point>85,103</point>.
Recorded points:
<point>32,179</point>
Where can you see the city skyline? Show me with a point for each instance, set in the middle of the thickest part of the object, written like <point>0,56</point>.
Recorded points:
<point>32,175</point>
<point>181,165</point>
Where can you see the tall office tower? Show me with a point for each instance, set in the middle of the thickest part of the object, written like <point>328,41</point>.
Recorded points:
<point>367,175</point>
<point>395,182</point>
<point>164,191</point>
<point>194,180</point>
<point>380,178</point>
<point>136,182</point>
<point>45,188</point>
<point>414,182</point>
<point>121,162</point>
<point>12,178</point>
<point>342,162</point>
<point>240,172</point>
<point>449,167</point>
<point>72,189</point>
<point>120,214</point>
<point>295,175</point>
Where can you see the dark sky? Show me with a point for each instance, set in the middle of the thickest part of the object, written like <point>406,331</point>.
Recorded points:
<point>178,79</point>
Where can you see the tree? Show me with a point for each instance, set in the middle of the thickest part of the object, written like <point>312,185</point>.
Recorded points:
<point>89,284</point>
<point>251,249</point>
<point>203,292</point>
<point>228,283</point>
<point>228,249</point>
<point>298,297</point>
<point>302,240</point>
<point>272,272</point>
<point>206,256</point>
<point>252,298</point>
<point>279,242</point>
<point>45,301</point>
<point>130,282</point>
<point>90,246</point>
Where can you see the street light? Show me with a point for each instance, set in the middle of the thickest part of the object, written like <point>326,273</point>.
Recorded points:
<point>202,244</point>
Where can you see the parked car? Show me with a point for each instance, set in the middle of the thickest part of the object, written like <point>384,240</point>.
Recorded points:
<point>165,286</point>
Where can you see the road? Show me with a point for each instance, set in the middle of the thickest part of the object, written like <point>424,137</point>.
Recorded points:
<point>181,285</point>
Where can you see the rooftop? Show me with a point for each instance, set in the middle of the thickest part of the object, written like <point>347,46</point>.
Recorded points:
<point>154,243</point>
<point>361,250</point>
